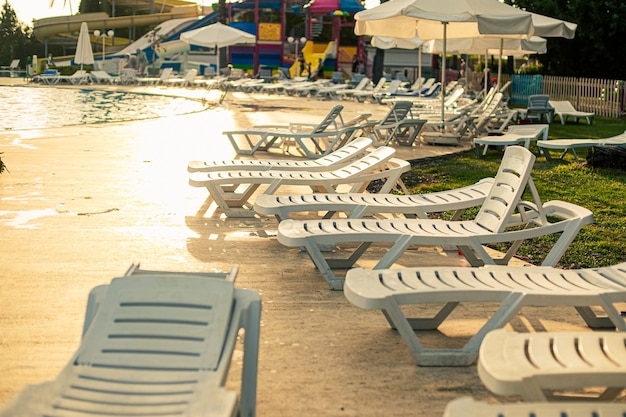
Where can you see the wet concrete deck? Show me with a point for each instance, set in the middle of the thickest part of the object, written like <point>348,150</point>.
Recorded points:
<point>81,203</point>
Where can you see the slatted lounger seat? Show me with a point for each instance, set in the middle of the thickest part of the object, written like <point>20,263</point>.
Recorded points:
<point>564,110</point>
<point>497,221</point>
<point>571,145</point>
<point>340,157</point>
<point>398,125</point>
<point>233,190</point>
<point>513,287</point>
<point>515,135</point>
<point>468,407</point>
<point>156,344</point>
<point>327,136</point>
<point>556,365</point>
<point>364,205</point>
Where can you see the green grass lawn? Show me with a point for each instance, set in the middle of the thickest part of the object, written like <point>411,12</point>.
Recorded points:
<point>603,191</point>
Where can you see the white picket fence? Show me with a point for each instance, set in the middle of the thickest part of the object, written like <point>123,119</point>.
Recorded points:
<point>603,97</point>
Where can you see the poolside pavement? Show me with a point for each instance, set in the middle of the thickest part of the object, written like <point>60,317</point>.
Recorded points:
<point>81,203</point>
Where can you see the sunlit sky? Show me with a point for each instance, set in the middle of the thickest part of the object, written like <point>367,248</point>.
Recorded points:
<point>27,10</point>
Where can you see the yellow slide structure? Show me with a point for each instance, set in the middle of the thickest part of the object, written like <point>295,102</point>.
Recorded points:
<point>311,56</point>
<point>172,9</point>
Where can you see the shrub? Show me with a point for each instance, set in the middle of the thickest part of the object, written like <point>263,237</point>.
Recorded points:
<point>3,167</point>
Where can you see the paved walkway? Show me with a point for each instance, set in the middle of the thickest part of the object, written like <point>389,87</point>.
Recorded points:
<point>80,204</point>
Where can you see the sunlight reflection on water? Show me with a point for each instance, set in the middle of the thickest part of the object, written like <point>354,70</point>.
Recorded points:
<point>37,108</point>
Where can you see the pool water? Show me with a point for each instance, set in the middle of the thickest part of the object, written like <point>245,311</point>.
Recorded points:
<point>39,108</point>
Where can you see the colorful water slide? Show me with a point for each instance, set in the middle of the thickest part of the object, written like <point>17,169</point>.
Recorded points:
<point>170,9</point>
<point>312,54</point>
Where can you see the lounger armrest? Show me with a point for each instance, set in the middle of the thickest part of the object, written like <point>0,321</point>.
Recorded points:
<point>553,208</point>
<point>370,123</point>
<point>529,213</point>
<point>283,126</point>
<point>302,126</point>
<point>565,210</point>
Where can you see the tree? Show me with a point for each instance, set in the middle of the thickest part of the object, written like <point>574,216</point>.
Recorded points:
<point>94,6</point>
<point>16,40</point>
<point>222,11</point>
<point>592,53</point>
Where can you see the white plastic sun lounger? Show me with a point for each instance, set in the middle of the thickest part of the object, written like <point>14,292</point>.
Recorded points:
<point>571,145</point>
<point>564,109</point>
<point>232,190</point>
<point>337,158</point>
<point>102,77</point>
<point>556,365</point>
<point>397,125</point>
<point>79,77</point>
<point>511,287</point>
<point>161,79</point>
<point>357,206</point>
<point>13,66</point>
<point>156,343</point>
<point>497,221</point>
<point>363,85</point>
<point>364,95</point>
<point>468,407</point>
<point>465,125</point>
<point>313,143</point>
<point>186,80</point>
<point>515,135</point>
<point>330,92</point>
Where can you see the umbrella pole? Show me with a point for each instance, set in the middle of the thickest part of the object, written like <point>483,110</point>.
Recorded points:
<point>466,73</point>
<point>500,63</point>
<point>419,71</point>
<point>486,73</point>
<point>443,75</point>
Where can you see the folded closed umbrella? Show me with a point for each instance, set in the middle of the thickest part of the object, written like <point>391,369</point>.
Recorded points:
<point>84,53</point>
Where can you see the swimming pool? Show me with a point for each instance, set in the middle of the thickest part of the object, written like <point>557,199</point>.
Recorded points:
<point>39,108</point>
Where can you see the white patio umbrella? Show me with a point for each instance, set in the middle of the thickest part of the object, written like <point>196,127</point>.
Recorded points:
<point>545,26</point>
<point>217,35</point>
<point>478,46</point>
<point>385,42</point>
<point>84,53</point>
<point>470,46</point>
<point>549,27</point>
<point>490,46</point>
<point>444,19</point>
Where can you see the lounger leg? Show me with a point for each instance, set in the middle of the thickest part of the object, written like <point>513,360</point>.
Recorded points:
<point>349,262</point>
<point>465,356</point>
<point>265,143</point>
<point>610,393</point>
<point>414,134</point>
<point>613,317</point>
<point>398,248</point>
<point>325,266</point>
<point>251,319</point>
<point>430,323</point>
<point>509,253</point>
<point>236,147</point>
<point>411,132</point>
<point>224,200</point>
<point>475,260</point>
<point>561,245</point>
<point>546,153</point>
<point>593,320</point>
